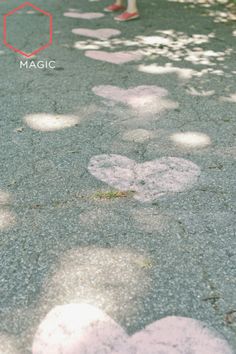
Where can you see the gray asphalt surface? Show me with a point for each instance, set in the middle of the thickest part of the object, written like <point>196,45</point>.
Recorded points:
<point>60,242</point>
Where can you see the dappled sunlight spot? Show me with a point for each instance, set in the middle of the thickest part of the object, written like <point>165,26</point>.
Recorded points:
<point>77,329</point>
<point>177,39</point>
<point>195,2</point>
<point>234,33</point>
<point>201,93</point>
<point>170,44</point>
<point>84,329</point>
<point>227,151</point>
<point>50,122</point>
<point>205,57</point>
<point>97,276</point>
<point>8,344</point>
<point>179,46</point>
<point>5,198</point>
<point>111,43</point>
<point>93,217</point>
<point>99,217</point>
<point>182,73</point>
<point>83,45</point>
<point>191,139</point>
<point>175,45</point>
<point>7,219</point>
<point>152,220</point>
<point>84,15</point>
<point>221,16</point>
<point>98,44</point>
<point>114,57</point>
<point>137,135</point>
<point>231,98</point>
<point>216,72</point>
<point>154,40</point>
<point>149,180</point>
<point>202,2</point>
<point>144,100</point>
<point>225,15</point>
<point>103,33</point>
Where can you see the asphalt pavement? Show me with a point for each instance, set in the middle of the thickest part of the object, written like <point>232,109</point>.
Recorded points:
<point>117,180</point>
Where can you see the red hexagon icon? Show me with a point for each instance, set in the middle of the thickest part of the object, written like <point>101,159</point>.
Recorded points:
<point>6,40</point>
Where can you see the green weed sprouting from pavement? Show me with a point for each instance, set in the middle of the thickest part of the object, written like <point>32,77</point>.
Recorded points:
<point>112,194</point>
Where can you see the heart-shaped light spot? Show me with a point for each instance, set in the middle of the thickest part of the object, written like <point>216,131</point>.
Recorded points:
<point>77,329</point>
<point>115,57</point>
<point>84,15</point>
<point>149,180</point>
<point>83,329</point>
<point>145,99</point>
<point>103,33</point>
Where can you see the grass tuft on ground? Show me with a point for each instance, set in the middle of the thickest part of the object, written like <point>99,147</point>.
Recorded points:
<point>112,194</point>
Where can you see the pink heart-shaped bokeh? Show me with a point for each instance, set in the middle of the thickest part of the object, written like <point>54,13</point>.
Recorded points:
<point>84,329</point>
<point>84,15</point>
<point>149,180</point>
<point>114,57</point>
<point>144,99</point>
<point>103,33</point>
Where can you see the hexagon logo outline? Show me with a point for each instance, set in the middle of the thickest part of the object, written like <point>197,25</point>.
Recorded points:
<point>36,51</point>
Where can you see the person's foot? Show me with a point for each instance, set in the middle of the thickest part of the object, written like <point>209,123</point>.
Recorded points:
<point>127,16</point>
<point>114,8</point>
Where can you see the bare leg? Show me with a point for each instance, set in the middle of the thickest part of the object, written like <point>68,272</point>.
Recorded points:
<point>132,6</point>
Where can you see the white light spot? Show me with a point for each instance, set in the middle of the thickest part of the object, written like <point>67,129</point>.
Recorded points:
<point>50,122</point>
<point>231,98</point>
<point>4,198</point>
<point>191,139</point>
<point>84,15</point>
<point>137,135</point>
<point>182,73</point>
<point>7,219</point>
